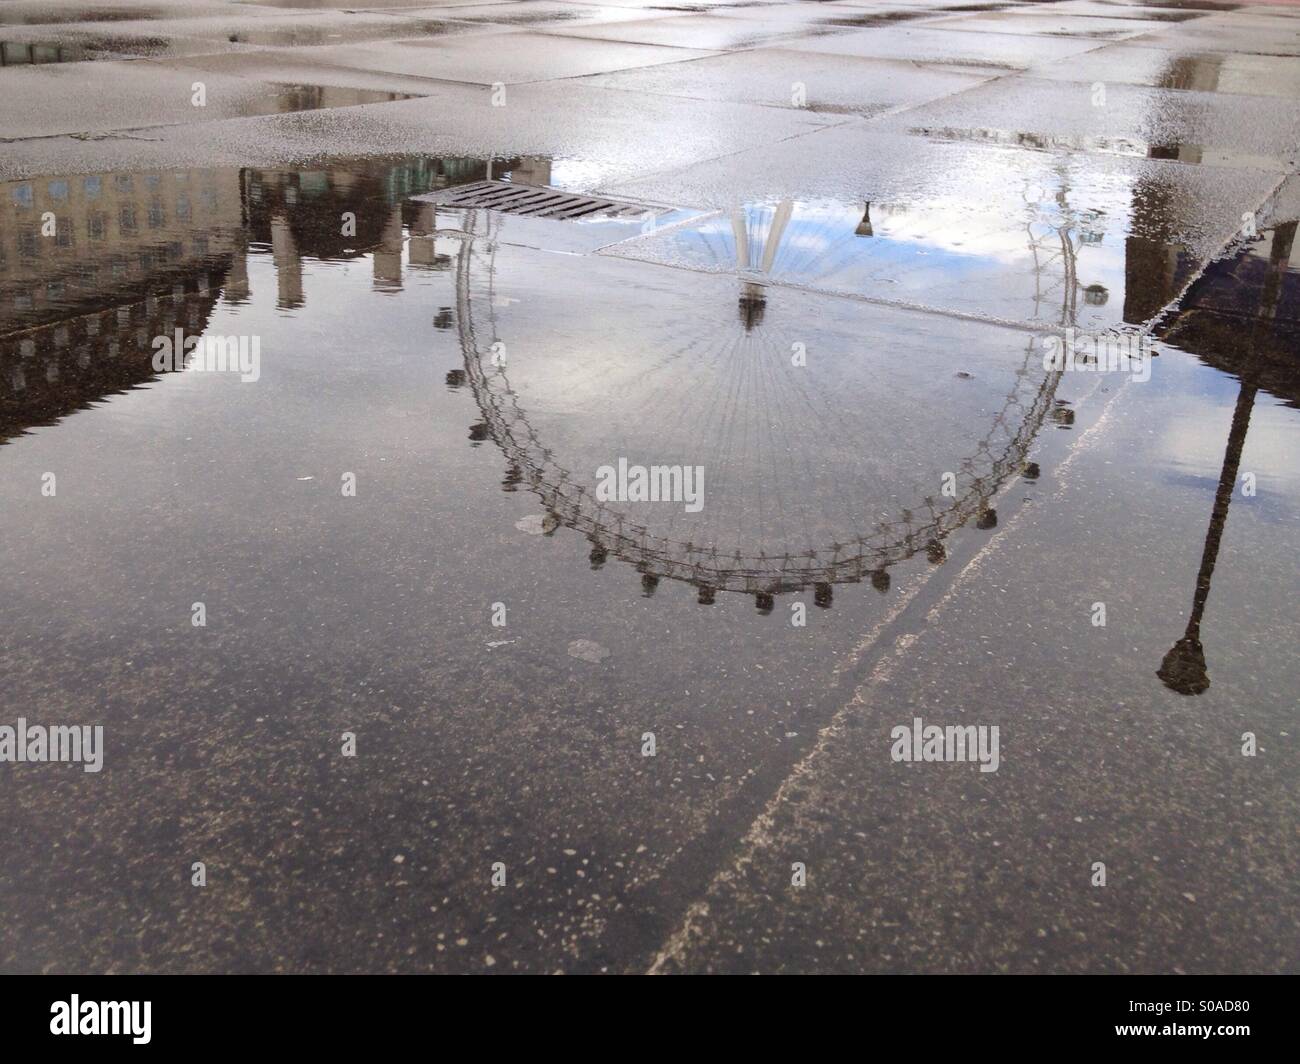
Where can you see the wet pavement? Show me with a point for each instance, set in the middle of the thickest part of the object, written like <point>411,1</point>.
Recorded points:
<point>451,706</point>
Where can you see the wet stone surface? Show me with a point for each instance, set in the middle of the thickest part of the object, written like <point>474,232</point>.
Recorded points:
<point>621,462</point>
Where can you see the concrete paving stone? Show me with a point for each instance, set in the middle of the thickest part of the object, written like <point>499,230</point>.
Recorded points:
<point>1241,33</point>
<point>483,60</point>
<point>865,13</point>
<point>200,35</point>
<point>45,101</point>
<point>95,12</point>
<point>824,13</point>
<point>698,31</point>
<point>324,28</point>
<point>551,12</point>
<point>1106,9</point>
<point>44,45</point>
<point>939,8</point>
<point>1171,68</point>
<point>1286,203</point>
<point>303,67</point>
<point>652,6</point>
<point>831,83</point>
<point>435,8</point>
<point>1050,25</point>
<point>580,127</point>
<point>1205,7</point>
<point>921,44</point>
<point>351,5</point>
<point>1194,127</point>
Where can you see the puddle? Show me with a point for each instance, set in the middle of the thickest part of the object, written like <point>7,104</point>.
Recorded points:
<point>1179,152</point>
<point>140,95</point>
<point>700,31</point>
<point>46,15</point>
<point>333,4</point>
<point>677,369</point>
<point>469,374</point>
<point>1051,24</point>
<point>1190,71</point>
<point>687,368</point>
<point>940,43</point>
<point>137,255</point>
<point>298,36</point>
<point>33,53</point>
<point>287,99</point>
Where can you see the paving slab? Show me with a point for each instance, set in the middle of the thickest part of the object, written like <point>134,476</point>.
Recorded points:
<point>827,13</point>
<point>1241,33</point>
<point>831,84</point>
<point>1193,127</point>
<point>653,6</point>
<point>50,100</point>
<point>581,127</point>
<point>697,31</point>
<point>1049,25</point>
<point>304,67</point>
<point>1130,64</point>
<point>939,8</point>
<point>324,28</point>
<point>45,45</point>
<point>315,5</point>
<point>921,44</point>
<point>550,12</point>
<point>482,60</point>
<point>62,12</point>
<point>216,35</point>
<point>1104,9</point>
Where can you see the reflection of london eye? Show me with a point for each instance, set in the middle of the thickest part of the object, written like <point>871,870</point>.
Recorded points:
<point>774,441</point>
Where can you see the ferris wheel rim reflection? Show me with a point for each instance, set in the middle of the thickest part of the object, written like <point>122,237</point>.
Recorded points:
<point>865,554</point>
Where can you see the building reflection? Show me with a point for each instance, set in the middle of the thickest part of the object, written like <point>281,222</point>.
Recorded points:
<point>360,209</point>
<point>131,257</point>
<point>136,255</point>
